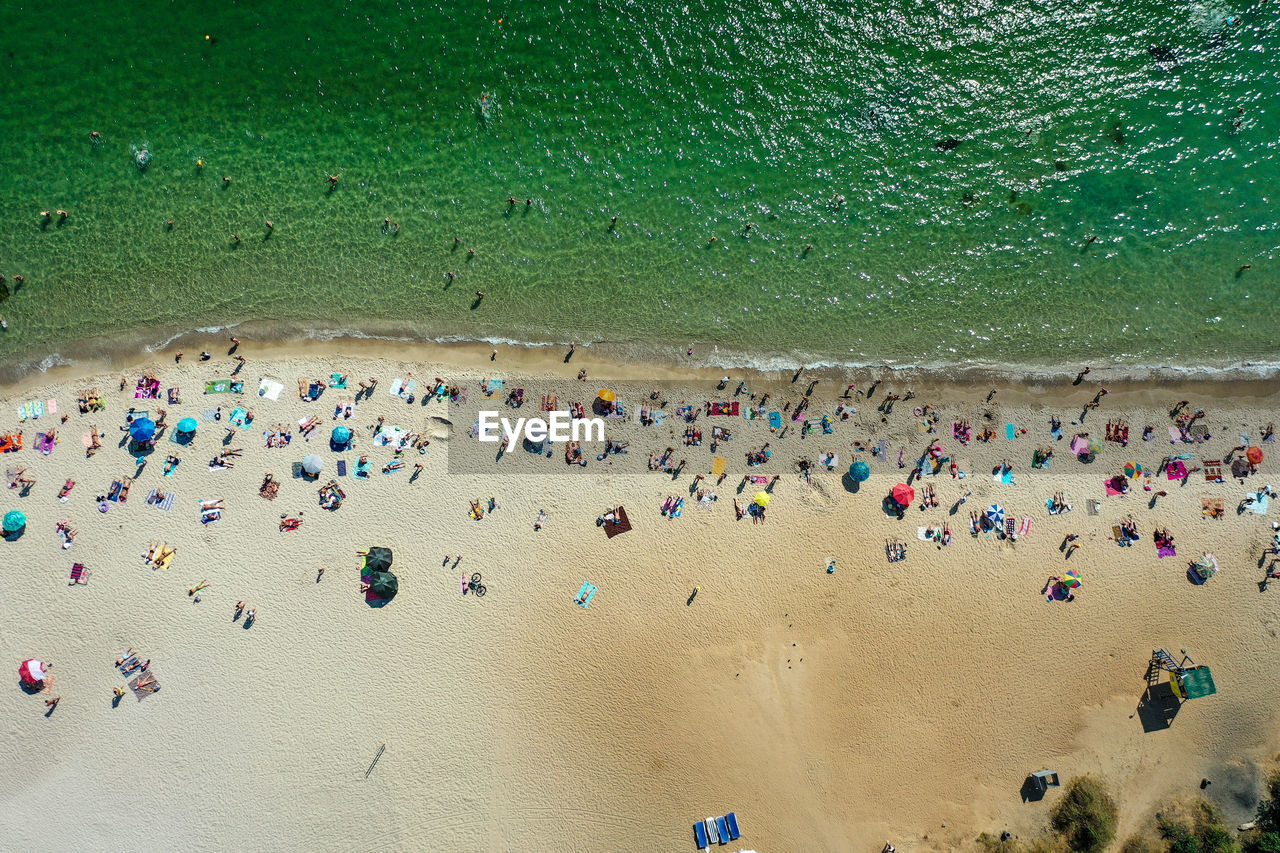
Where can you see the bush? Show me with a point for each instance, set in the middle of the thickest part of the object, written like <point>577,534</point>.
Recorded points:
<point>1086,816</point>
<point>1142,844</point>
<point>1268,818</point>
<point>1263,842</point>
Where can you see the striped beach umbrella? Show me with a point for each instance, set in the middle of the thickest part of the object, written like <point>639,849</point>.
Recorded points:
<point>1071,580</point>
<point>995,514</point>
<point>1132,469</point>
<point>32,673</point>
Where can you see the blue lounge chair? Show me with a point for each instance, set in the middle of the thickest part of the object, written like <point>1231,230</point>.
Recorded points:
<point>732,820</point>
<point>723,829</point>
<point>700,835</point>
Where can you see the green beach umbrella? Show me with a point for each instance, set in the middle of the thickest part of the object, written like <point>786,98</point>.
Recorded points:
<point>384,584</point>
<point>14,521</point>
<point>378,559</point>
<point>859,471</point>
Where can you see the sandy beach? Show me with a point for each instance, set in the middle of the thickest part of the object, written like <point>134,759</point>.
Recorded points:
<point>830,711</point>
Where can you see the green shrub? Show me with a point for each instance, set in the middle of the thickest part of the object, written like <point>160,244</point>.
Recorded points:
<point>1263,842</point>
<point>1086,816</point>
<point>1142,844</point>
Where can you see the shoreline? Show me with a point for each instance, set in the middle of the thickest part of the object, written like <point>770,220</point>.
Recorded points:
<point>99,355</point>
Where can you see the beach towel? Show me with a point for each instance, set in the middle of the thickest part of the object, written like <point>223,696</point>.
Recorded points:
<point>342,467</point>
<point>1261,502</point>
<point>924,533</point>
<point>1177,470</point>
<point>1025,527</point>
<point>1111,490</point>
<point>758,479</point>
<point>208,516</point>
<point>492,386</point>
<point>884,450</point>
<point>620,523</point>
<point>1166,551</point>
<point>717,466</point>
<point>166,503</point>
<point>238,418</point>
<point>1010,431</point>
<point>1092,506</point>
<point>269,389</point>
<point>585,593</point>
<point>775,420</point>
<point>142,691</point>
<point>337,380</point>
<point>1212,470</point>
<point>209,415</point>
<point>1175,435</point>
<point>182,439</point>
<point>79,574</point>
<point>218,386</point>
<point>52,406</point>
<point>362,469</point>
<point>44,443</point>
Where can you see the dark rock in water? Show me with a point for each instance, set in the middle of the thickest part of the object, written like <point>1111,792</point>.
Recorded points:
<point>1059,166</point>
<point>947,144</point>
<point>1163,55</point>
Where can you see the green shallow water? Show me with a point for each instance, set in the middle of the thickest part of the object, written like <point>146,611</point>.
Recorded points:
<point>816,123</point>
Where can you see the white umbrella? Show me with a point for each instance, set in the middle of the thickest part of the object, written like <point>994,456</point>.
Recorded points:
<point>312,464</point>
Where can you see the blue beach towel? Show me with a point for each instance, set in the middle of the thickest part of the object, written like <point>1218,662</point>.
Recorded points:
<point>775,420</point>
<point>585,594</point>
<point>1009,431</point>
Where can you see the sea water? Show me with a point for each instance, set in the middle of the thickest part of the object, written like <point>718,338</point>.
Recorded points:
<point>1029,182</point>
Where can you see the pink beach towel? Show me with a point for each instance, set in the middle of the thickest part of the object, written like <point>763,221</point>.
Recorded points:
<point>1177,471</point>
<point>1175,435</point>
<point>1111,490</point>
<point>1166,551</point>
<point>51,406</point>
<point>1025,528</point>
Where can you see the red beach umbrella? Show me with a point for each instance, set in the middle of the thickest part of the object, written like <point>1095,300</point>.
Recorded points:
<point>903,494</point>
<point>1254,455</point>
<point>31,671</point>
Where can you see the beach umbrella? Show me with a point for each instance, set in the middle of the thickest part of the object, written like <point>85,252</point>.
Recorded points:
<point>859,471</point>
<point>1254,455</point>
<point>903,494</point>
<point>312,464</point>
<point>1071,580</point>
<point>1132,469</point>
<point>341,435</point>
<point>384,584</point>
<point>606,395</point>
<point>378,559</point>
<point>187,425</point>
<point>1206,566</point>
<point>762,499</point>
<point>14,521</point>
<point>142,429</point>
<point>31,671</point>
<point>995,514</point>
<point>1079,445</point>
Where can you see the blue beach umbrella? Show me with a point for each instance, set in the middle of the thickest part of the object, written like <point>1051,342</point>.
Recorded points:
<point>995,514</point>
<point>341,435</point>
<point>143,429</point>
<point>859,471</point>
<point>187,425</point>
<point>14,521</point>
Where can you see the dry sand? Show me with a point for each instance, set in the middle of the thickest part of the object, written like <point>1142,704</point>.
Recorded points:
<point>904,701</point>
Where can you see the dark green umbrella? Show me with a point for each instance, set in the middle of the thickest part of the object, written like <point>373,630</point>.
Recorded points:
<point>378,559</point>
<point>384,584</point>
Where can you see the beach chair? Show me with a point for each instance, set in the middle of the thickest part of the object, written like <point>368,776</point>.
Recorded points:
<point>1213,470</point>
<point>723,829</point>
<point>731,820</point>
<point>79,575</point>
<point>713,832</point>
<point>700,835</point>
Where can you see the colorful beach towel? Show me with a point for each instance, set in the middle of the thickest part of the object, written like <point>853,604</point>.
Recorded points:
<point>1177,470</point>
<point>218,386</point>
<point>1166,551</point>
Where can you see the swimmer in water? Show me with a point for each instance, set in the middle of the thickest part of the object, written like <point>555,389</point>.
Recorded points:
<point>4,324</point>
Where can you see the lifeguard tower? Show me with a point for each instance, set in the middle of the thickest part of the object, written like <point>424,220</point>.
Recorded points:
<point>1187,679</point>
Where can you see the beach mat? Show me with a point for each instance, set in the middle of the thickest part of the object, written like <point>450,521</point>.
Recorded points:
<point>1010,431</point>
<point>166,504</point>
<point>269,389</point>
<point>218,386</point>
<point>142,692</point>
<point>621,525</point>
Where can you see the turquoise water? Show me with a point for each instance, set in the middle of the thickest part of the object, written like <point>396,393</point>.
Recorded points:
<point>816,123</point>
